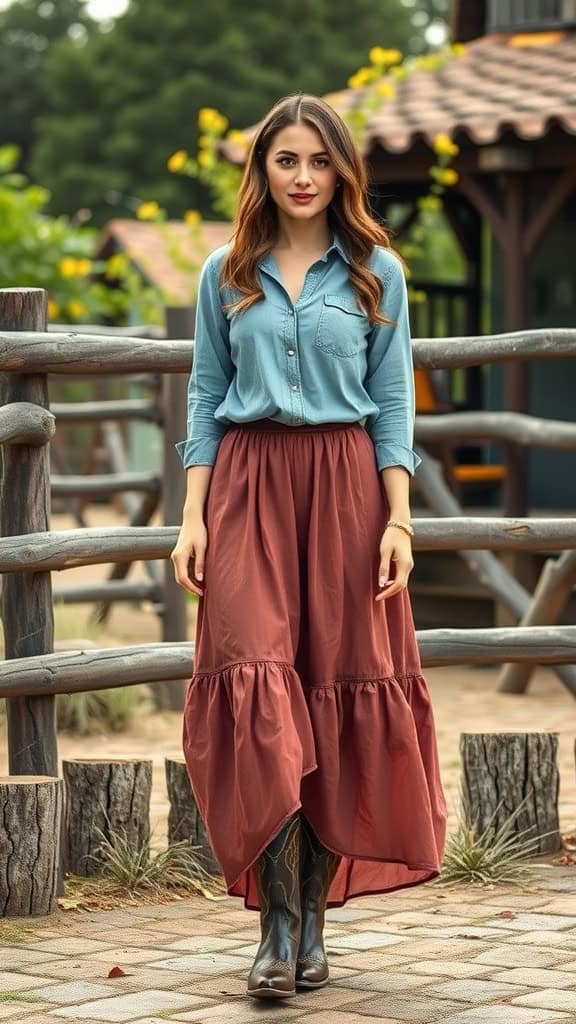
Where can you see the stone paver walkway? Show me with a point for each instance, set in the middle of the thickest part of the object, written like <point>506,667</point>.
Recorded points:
<point>458,955</point>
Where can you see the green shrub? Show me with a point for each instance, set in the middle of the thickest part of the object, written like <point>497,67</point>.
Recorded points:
<point>100,711</point>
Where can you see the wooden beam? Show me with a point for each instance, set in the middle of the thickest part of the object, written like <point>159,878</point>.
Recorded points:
<point>94,353</point>
<point>547,210</point>
<point>483,202</point>
<point>26,423</point>
<point>497,426</point>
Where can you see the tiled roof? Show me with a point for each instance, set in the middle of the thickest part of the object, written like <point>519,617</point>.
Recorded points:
<point>525,84</point>
<point>168,255</point>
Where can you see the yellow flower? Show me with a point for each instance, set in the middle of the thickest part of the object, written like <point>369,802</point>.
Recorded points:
<point>444,146</point>
<point>378,55</point>
<point>205,142</point>
<point>53,309</point>
<point>458,49</point>
<point>210,120</point>
<point>148,211</point>
<point>117,265</point>
<point>83,267</point>
<point>177,161</point>
<point>399,72</point>
<point>448,176</point>
<point>192,218</point>
<point>206,159</point>
<point>67,267</point>
<point>360,78</point>
<point>386,90</point>
<point>237,138</point>
<point>76,309</point>
<point>431,203</point>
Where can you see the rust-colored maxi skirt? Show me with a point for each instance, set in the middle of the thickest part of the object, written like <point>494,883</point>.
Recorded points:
<point>307,693</point>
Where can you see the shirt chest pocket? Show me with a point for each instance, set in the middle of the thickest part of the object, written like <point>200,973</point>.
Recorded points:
<point>341,327</point>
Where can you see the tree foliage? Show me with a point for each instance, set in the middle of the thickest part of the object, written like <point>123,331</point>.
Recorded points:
<point>28,31</point>
<point>122,100</point>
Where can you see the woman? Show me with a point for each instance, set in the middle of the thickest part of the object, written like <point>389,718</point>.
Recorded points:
<point>308,732</point>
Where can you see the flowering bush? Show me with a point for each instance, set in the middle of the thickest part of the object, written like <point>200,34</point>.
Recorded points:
<point>39,251</point>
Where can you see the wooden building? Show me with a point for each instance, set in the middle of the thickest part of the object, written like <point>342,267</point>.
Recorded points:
<point>509,102</point>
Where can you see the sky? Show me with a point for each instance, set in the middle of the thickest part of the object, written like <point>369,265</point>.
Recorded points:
<point>97,8</point>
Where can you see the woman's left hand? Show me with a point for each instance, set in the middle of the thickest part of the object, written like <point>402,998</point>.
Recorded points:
<point>395,546</point>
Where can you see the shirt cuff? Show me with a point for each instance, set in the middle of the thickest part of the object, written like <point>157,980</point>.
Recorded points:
<point>198,453</point>
<point>396,455</point>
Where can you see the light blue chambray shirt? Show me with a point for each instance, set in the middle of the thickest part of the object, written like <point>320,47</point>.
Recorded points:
<point>318,360</point>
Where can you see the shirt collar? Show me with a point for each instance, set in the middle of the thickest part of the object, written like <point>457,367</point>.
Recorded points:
<point>336,245</point>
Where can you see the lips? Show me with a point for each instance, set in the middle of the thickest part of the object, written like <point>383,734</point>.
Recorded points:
<point>302,197</point>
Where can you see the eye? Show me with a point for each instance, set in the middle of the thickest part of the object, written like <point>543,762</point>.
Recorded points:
<point>322,162</point>
<point>285,160</point>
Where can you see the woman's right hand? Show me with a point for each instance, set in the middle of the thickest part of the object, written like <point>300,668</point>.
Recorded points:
<point>189,555</point>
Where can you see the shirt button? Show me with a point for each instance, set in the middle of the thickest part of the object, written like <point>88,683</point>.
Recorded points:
<point>291,312</point>
<point>291,352</point>
<point>294,387</point>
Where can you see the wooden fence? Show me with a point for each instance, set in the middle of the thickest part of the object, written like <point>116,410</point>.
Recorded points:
<point>32,674</point>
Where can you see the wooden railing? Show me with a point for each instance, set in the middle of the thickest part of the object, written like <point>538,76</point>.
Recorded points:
<point>32,675</point>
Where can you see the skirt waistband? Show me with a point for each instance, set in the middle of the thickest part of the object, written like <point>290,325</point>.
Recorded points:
<point>274,426</point>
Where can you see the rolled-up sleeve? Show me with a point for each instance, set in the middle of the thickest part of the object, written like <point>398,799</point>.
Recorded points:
<point>211,376</point>
<point>390,373</point>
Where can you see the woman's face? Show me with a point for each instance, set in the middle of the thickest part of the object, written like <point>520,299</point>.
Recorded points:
<point>301,176</point>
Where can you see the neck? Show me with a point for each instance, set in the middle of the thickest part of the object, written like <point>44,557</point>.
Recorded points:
<point>311,236</point>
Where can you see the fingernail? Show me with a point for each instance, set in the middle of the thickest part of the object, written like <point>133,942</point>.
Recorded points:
<point>382,581</point>
<point>199,575</point>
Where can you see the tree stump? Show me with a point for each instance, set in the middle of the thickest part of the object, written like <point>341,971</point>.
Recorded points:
<point>107,794</point>
<point>184,820</point>
<point>506,769</point>
<point>29,844</point>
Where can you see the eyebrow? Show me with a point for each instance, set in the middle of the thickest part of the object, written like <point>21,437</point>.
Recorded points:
<point>288,152</point>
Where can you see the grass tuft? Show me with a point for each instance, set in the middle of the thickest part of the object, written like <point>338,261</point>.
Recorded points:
<point>175,867</point>
<point>495,856</point>
<point>97,712</point>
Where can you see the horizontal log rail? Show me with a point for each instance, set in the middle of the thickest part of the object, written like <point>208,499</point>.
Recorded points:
<point>110,590</point>
<point>109,667</point>
<point>496,426</point>
<point>101,485</point>
<point>32,352</point>
<point>26,423</point>
<point>118,409</point>
<point>66,549</point>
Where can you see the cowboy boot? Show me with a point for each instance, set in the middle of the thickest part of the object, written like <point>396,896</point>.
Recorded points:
<point>319,866</point>
<point>278,878</point>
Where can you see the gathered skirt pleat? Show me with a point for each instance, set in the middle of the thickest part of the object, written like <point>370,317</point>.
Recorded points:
<point>307,694</point>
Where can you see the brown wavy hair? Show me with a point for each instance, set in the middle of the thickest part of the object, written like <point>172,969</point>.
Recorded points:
<point>256,223</point>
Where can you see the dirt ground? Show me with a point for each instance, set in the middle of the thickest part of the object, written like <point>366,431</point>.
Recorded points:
<point>465,699</point>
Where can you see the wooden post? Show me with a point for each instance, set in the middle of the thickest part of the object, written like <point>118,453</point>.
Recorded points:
<point>184,820</point>
<point>179,324</point>
<point>29,844</point>
<point>516,374</point>
<point>108,795</point>
<point>27,612</point>
<point>502,770</point>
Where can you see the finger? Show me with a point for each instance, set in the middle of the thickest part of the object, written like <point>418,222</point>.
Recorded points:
<point>199,555</point>
<point>400,583</point>
<point>181,562</point>
<point>384,569</point>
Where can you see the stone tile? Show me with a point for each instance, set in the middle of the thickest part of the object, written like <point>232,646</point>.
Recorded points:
<point>472,990</point>
<point>72,992</point>
<point>235,1013</point>
<point>431,918</point>
<point>67,968</point>
<point>12,981</point>
<point>535,922</point>
<point>364,940</point>
<point>128,1007</point>
<point>204,944</point>
<point>332,998</point>
<point>537,977</point>
<point>506,1015</point>
<point>567,940</point>
<point>562,905</point>
<point>408,1007</point>
<point>450,949</point>
<point>201,963</point>
<point>15,956</point>
<point>450,968</point>
<point>16,1010</point>
<point>138,937</point>
<point>369,960</point>
<point>569,965</point>
<point>122,955</point>
<point>518,956</point>
<point>388,981</point>
<point>548,999</point>
<point>72,945</point>
<point>462,931</point>
<point>333,1017</point>
<point>348,915</point>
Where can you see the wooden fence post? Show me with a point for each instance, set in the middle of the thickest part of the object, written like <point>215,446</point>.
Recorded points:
<point>179,324</point>
<point>27,613</point>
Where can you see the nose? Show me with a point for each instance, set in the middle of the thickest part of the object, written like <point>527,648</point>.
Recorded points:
<point>303,175</point>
